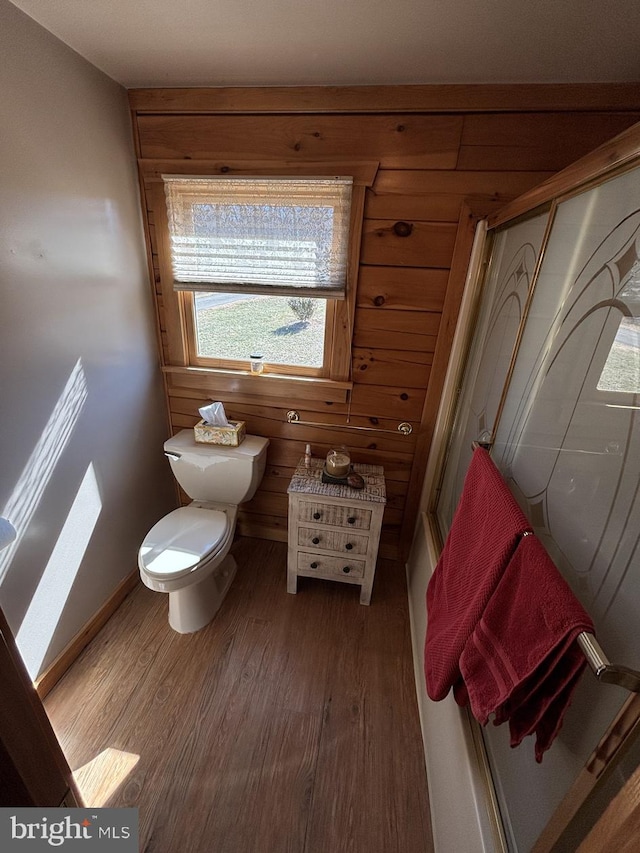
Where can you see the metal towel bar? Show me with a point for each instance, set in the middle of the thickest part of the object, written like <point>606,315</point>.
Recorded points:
<point>293,417</point>
<point>603,669</point>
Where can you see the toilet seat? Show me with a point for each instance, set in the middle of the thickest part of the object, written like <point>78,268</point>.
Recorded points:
<point>182,541</point>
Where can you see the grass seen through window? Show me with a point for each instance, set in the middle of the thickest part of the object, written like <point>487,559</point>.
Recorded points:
<point>286,331</point>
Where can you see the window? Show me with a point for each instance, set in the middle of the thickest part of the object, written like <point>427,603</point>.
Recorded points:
<point>287,331</point>
<point>259,264</point>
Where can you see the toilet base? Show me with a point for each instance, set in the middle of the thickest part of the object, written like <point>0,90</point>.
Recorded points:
<point>193,607</point>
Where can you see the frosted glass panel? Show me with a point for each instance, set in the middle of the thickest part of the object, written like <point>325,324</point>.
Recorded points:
<point>513,260</point>
<point>568,443</point>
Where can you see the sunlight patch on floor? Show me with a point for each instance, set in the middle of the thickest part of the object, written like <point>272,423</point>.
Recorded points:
<point>101,777</point>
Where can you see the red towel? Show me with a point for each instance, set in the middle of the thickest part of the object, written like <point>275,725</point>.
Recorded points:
<point>522,662</point>
<point>483,536</point>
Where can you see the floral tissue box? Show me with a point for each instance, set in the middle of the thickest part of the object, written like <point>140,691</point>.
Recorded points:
<point>231,435</point>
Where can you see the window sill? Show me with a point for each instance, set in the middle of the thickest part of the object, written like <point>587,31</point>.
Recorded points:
<point>264,385</point>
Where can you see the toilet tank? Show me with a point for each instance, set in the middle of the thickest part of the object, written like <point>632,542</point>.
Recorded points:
<point>215,472</point>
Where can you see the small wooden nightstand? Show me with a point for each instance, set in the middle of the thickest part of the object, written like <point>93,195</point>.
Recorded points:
<point>334,530</point>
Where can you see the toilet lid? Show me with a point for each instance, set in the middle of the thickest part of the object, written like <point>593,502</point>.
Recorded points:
<point>181,540</point>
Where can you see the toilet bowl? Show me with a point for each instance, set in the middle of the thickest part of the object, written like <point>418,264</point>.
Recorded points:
<point>186,553</point>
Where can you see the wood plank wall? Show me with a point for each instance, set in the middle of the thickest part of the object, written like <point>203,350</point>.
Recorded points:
<point>432,162</point>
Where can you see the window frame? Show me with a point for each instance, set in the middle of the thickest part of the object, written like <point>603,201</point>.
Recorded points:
<point>181,344</point>
<point>188,299</point>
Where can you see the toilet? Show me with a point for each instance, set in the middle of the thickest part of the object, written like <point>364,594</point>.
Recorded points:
<point>186,554</point>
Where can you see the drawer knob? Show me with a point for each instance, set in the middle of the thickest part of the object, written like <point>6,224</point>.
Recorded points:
<point>317,515</point>
<point>351,520</point>
<point>348,546</point>
<point>315,540</point>
<point>314,565</point>
<point>346,570</point>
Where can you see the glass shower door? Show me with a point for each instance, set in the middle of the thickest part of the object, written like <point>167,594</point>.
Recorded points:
<point>567,440</point>
<point>514,258</point>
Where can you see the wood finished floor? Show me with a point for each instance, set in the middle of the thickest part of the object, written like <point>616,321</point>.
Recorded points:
<point>287,725</point>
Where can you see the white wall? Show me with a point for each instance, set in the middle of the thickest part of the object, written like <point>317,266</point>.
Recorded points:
<point>82,473</point>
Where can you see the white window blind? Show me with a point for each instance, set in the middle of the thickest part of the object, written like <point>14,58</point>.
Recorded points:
<point>281,236</point>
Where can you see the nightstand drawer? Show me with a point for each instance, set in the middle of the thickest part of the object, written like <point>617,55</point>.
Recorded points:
<point>342,567</point>
<point>338,516</point>
<point>332,540</point>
